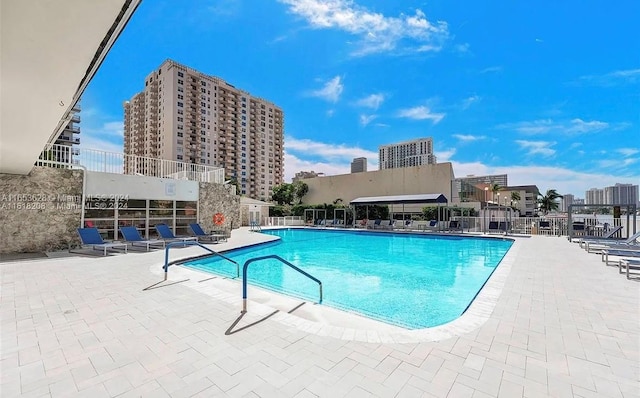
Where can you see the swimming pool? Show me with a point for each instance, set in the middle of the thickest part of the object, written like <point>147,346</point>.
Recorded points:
<point>410,280</point>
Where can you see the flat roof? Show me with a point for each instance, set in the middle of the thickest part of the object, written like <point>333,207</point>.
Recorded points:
<point>400,199</point>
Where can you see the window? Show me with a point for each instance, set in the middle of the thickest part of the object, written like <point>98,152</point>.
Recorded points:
<point>180,74</point>
<point>180,134</point>
<point>180,96</point>
<point>180,104</point>
<point>180,119</point>
<point>179,157</point>
<point>180,81</point>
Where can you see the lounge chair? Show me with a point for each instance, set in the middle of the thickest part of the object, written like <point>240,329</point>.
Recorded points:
<point>91,237</point>
<point>431,226</point>
<point>455,225</point>
<point>165,234</point>
<point>493,226</point>
<point>628,264</point>
<point>607,237</point>
<point>132,237</point>
<point>620,253</point>
<point>384,224</point>
<point>591,245</point>
<point>200,234</point>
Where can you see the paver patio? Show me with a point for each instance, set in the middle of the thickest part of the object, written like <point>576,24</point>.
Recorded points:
<point>564,325</point>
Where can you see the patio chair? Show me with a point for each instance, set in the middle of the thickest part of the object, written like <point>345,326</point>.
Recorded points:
<point>431,226</point>
<point>200,234</point>
<point>607,237</point>
<point>91,237</point>
<point>132,237</point>
<point>165,234</point>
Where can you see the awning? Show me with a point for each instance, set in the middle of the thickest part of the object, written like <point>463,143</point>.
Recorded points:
<point>400,199</point>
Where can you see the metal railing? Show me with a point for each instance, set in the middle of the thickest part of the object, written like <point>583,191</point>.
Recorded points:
<point>120,163</point>
<point>193,243</point>
<point>285,221</point>
<point>282,260</point>
<point>254,226</point>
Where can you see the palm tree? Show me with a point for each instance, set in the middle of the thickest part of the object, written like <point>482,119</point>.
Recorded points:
<point>494,188</point>
<point>548,202</point>
<point>515,196</point>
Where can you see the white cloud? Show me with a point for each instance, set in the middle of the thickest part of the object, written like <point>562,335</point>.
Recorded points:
<point>491,69</point>
<point>467,102</point>
<point>421,113</point>
<point>574,126</point>
<point>331,90</point>
<point>330,112</point>
<point>628,151</point>
<point>329,151</point>
<point>372,101</point>
<point>445,156</point>
<point>366,119</point>
<point>462,48</point>
<point>618,77</point>
<point>469,137</point>
<point>537,147</point>
<point>562,179</point>
<point>580,126</point>
<point>331,159</point>
<point>377,32</point>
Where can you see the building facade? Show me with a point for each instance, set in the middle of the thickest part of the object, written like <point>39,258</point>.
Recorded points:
<point>406,154</point>
<point>594,196</point>
<point>471,188</point>
<point>359,165</point>
<point>185,115</point>
<point>427,179</point>
<point>68,138</point>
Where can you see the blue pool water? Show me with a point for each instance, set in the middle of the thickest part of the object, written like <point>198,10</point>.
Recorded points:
<point>414,281</point>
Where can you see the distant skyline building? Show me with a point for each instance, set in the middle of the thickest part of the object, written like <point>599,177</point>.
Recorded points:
<point>567,200</point>
<point>406,154</point>
<point>359,165</point>
<point>185,115</point>
<point>68,138</point>
<point>618,194</point>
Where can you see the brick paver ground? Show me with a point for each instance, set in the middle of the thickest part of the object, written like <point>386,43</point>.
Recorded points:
<point>564,325</point>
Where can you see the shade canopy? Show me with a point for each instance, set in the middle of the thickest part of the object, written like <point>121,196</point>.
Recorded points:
<point>400,199</point>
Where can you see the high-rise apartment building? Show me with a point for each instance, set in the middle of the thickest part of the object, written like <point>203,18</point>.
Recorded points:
<point>619,194</point>
<point>359,165</point>
<point>67,139</point>
<point>185,115</point>
<point>566,200</point>
<point>594,196</point>
<point>407,154</point>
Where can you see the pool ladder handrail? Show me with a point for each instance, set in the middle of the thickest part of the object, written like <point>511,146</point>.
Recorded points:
<point>193,243</point>
<point>254,226</point>
<point>282,260</point>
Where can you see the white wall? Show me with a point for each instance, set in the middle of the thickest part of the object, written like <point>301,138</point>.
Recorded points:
<point>140,187</point>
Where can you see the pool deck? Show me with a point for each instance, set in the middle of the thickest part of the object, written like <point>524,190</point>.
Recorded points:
<point>552,321</point>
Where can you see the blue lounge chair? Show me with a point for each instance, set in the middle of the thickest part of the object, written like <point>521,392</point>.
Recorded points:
<point>91,237</point>
<point>200,234</point>
<point>165,234</point>
<point>132,236</point>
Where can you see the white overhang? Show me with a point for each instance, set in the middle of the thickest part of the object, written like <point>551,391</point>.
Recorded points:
<point>50,50</point>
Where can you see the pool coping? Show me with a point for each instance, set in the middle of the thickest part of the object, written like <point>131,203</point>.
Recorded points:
<point>476,314</point>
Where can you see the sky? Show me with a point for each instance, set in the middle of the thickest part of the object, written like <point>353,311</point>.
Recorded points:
<point>547,92</point>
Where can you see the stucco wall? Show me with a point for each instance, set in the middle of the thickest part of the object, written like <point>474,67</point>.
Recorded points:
<point>217,198</point>
<point>40,211</point>
<point>425,179</point>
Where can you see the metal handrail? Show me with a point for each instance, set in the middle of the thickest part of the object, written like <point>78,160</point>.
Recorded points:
<point>244,276</point>
<point>192,243</point>
<point>254,226</point>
